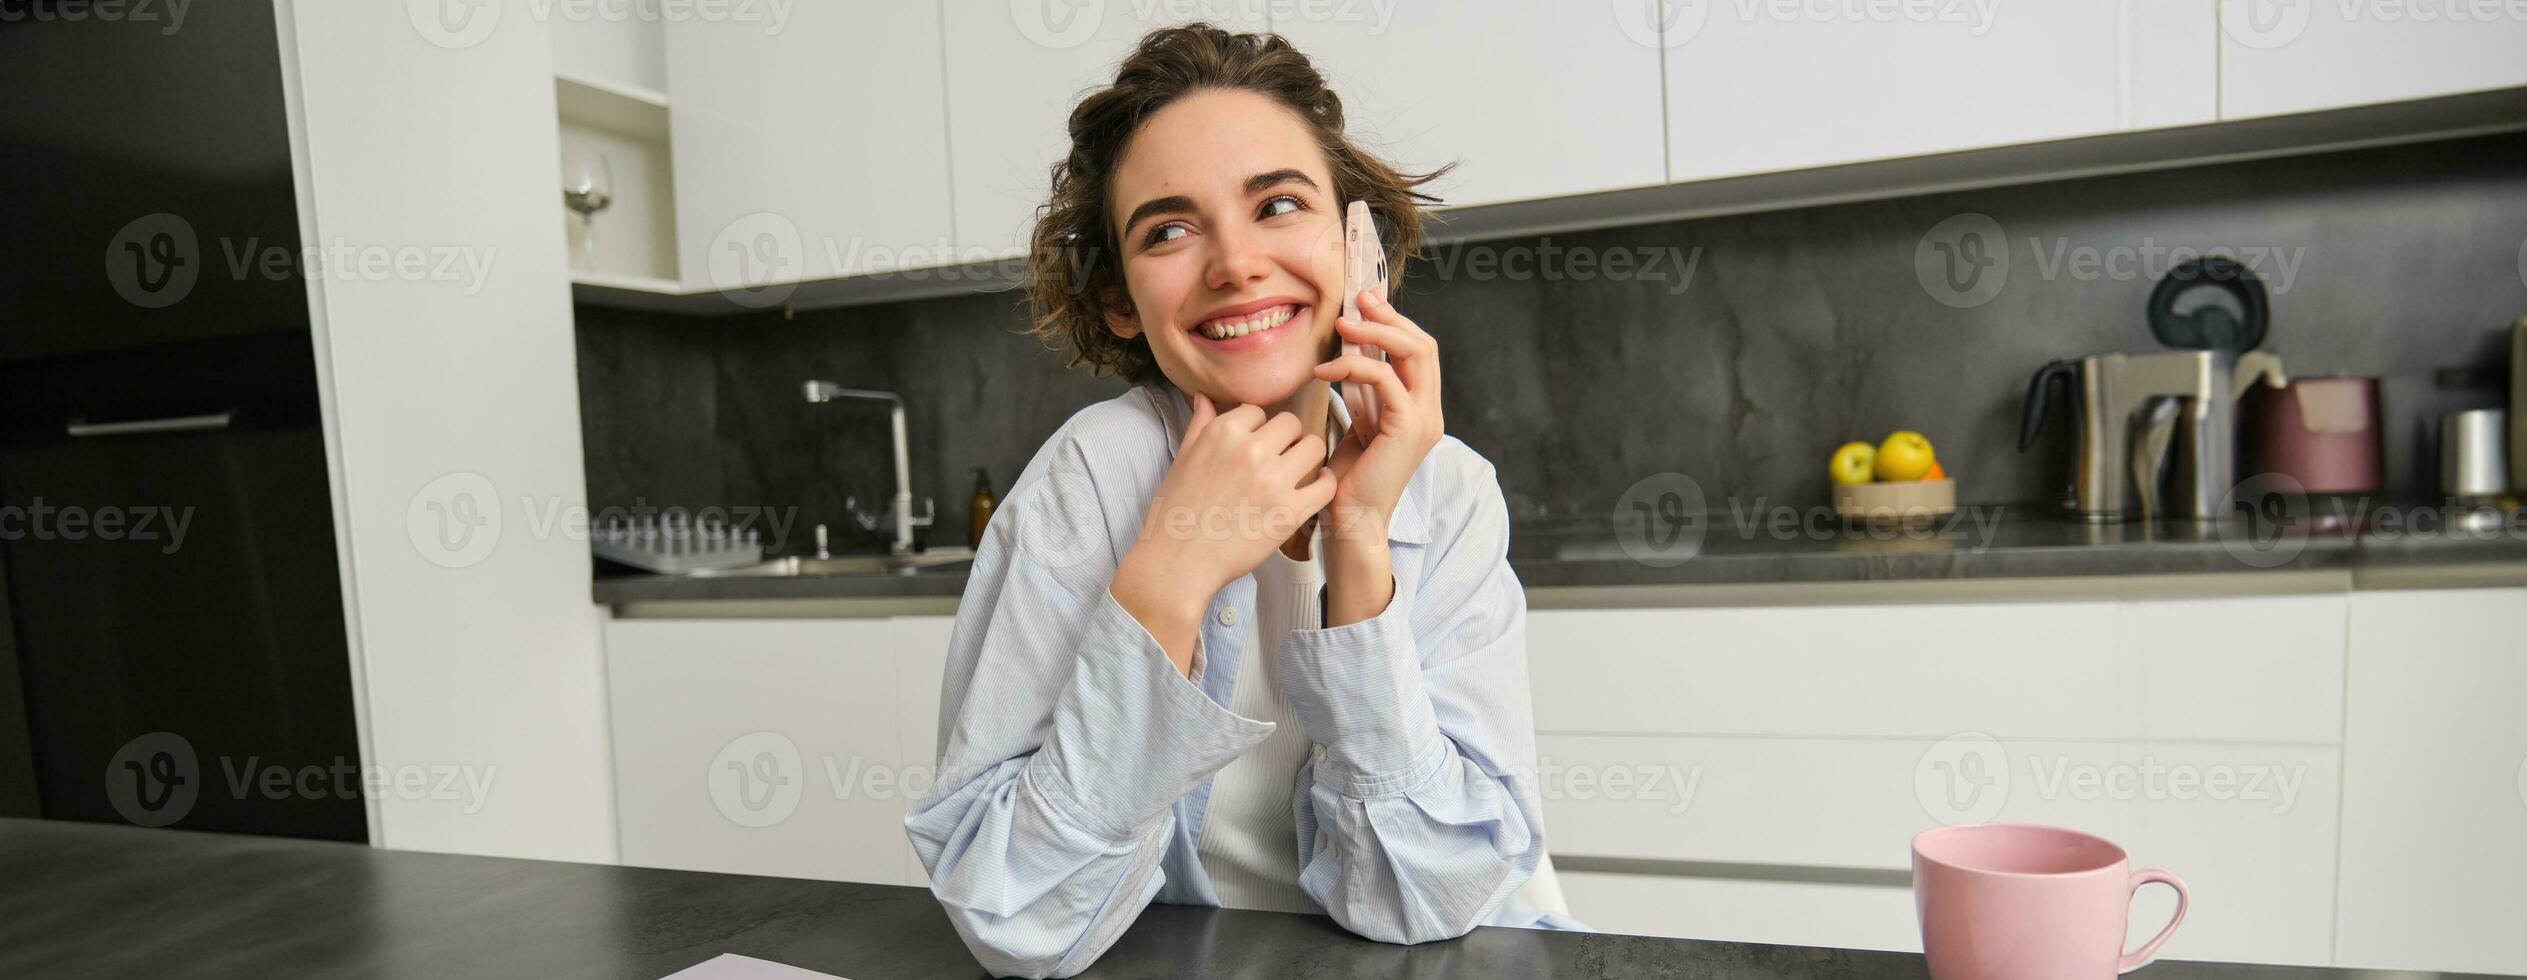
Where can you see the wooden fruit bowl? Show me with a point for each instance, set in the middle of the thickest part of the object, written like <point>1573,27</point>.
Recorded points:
<point>1892,502</point>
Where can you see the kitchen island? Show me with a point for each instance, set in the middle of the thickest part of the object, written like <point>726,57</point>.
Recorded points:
<point>1975,670</point>
<point>97,900</point>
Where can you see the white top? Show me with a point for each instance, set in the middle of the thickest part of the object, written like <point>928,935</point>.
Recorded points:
<point>1249,842</point>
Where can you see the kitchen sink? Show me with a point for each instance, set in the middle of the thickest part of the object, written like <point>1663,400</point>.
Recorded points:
<point>810,566</point>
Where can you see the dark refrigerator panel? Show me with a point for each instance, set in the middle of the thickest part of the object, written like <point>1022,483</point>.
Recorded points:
<point>176,601</point>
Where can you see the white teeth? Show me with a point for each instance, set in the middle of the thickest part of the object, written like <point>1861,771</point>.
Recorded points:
<point>1265,320</point>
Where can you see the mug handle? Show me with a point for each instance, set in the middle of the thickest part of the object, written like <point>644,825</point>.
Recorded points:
<point>2134,960</point>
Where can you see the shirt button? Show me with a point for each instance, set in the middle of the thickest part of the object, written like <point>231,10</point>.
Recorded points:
<point>1228,616</point>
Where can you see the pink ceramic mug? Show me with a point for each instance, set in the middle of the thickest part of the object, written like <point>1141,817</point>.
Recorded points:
<point>2015,901</point>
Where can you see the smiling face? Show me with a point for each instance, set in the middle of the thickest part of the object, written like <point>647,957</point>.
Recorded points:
<point>1231,240</point>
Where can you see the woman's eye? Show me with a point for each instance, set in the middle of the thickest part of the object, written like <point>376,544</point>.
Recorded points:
<point>1161,235</point>
<point>1276,206</point>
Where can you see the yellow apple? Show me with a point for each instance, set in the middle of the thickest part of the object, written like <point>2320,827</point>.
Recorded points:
<point>1905,455</point>
<point>1852,463</point>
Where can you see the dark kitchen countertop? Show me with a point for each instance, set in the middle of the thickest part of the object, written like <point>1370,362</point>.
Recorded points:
<point>104,900</point>
<point>1809,546</point>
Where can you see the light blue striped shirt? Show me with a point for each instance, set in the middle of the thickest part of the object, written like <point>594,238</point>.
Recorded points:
<point>1078,761</point>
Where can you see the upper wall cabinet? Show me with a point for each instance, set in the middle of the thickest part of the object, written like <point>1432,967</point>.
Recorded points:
<point>2279,56</point>
<point>1014,71</point>
<point>809,148</point>
<point>1531,99</point>
<point>1767,86</point>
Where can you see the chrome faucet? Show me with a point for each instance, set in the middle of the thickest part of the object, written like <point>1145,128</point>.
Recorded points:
<point>820,392</point>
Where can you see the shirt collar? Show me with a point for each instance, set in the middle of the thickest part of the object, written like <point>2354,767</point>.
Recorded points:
<point>1407,524</point>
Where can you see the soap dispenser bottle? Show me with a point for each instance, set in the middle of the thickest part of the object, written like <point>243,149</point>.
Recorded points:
<point>984,501</point>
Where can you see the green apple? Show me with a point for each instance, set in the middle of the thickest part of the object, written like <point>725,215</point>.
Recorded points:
<point>1852,463</point>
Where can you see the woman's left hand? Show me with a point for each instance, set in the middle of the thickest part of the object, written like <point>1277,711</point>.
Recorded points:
<point>1371,468</point>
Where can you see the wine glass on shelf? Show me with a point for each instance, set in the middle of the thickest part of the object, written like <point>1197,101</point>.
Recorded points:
<point>587,188</point>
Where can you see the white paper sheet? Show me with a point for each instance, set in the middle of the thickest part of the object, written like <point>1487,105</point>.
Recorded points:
<point>730,966</point>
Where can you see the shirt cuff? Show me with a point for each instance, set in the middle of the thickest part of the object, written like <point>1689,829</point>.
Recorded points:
<point>1358,690</point>
<point>1131,736</point>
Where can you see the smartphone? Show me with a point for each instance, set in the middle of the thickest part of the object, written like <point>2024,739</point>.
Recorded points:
<point>1364,267</point>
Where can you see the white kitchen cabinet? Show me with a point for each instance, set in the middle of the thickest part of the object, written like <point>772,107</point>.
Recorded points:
<point>1804,741</point>
<point>2435,782</point>
<point>1014,71</point>
<point>1532,99</point>
<point>625,53</point>
<point>767,747</point>
<point>809,152</point>
<point>469,648</point>
<point>1917,671</point>
<point>1761,87</point>
<point>1799,803</point>
<point>921,661</point>
<point>2278,56</point>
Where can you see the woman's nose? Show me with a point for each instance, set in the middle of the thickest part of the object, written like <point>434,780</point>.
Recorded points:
<point>1238,257</point>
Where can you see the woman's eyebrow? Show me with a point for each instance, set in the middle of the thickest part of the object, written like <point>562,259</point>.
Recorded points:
<point>1180,204</point>
<point>1284,175</point>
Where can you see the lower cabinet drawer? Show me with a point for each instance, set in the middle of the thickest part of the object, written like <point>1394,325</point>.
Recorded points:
<point>1780,912</point>
<point>2250,668</point>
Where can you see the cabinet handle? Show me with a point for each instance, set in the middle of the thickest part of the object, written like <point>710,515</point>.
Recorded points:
<point>84,429</point>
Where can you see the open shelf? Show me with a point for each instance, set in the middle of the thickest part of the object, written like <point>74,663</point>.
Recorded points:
<point>626,109</point>
<point>626,283</point>
<point>627,126</point>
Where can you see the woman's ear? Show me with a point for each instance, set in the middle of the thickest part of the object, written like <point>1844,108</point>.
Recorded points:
<point>1121,319</point>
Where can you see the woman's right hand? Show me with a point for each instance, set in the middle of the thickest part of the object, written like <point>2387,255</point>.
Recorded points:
<point>1233,494</point>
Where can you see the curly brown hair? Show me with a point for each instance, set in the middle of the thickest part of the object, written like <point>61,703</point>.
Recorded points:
<point>1075,270</point>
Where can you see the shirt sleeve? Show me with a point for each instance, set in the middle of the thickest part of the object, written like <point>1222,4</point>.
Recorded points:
<point>1068,737</point>
<point>1417,813</point>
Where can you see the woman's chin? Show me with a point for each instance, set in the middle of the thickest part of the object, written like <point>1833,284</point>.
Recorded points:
<point>1262,386</point>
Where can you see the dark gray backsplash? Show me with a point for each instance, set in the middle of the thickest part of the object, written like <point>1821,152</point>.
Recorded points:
<point>1796,331</point>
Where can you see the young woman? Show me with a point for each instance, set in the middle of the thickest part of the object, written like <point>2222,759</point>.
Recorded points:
<point>1220,647</point>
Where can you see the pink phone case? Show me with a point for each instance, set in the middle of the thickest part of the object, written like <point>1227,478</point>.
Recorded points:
<point>1364,267</point>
